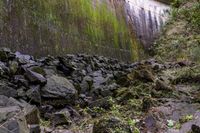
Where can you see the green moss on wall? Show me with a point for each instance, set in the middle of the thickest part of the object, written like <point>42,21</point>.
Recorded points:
<point>63,26</point>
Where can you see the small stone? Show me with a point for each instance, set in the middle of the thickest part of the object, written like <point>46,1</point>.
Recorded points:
<point>23,59</point>
<point>20,80</point>
<point>32,115</point>
<point>34,94</point>
<point>13,65</point>
<point>61,118</point>
<point>195,129</point>
<point>34,128</point>
<point>4,54</point>
<point>34,77</point>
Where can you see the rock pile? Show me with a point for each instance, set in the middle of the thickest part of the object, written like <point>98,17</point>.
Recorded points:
<point>55,86</point>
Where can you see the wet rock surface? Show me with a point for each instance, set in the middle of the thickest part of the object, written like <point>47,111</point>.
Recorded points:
<point>90,94</point>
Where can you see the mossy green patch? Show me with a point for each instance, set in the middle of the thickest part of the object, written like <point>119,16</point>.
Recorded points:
<point>180,38</point>
<point>63,26</point>
<point>187,75</point>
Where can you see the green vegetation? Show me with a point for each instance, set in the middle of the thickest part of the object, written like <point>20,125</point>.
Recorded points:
<point>187,75</point>
<point>186,118</point>
<point>180,39</point>
<point>45,123</point>
<point>191,13</point>
<point>60,26</point>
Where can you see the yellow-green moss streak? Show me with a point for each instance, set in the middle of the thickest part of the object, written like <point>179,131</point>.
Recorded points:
<point>62,26</point>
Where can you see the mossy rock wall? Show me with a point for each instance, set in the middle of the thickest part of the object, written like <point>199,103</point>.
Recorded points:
<point>42,27</point>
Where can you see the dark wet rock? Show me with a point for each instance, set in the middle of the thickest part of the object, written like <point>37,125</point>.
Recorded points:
<point>150,123</point>
<point>89,69</point>
<point>15,126</point>
<point>32,115</point>
<point>157,66</point>
<point>16,115</point>
<point>35,78</point>
<point>98,81</point>
<point>68,89</point>
<point>34,94</point>
<point>64,66</point>
<point>5,101</point>
<point>110,125</point>
<point>34,128</point>
<point>50,71</point>
<point>195,129</point>
<point>59,88</point>
<point>23,59</point>
<point>154,122</point>
<point>4,54</point>
<point>21,92</point>
<point>86,84</point>
<point>20,80</point>
<point>7,89</point>
<point>46,109</point>
<point>74,114</point>
<point>83,100</point>
<point>121,78</point>
<point>8,112</point>
<point>61,118</point>
<point>184,63</point>
<point>3,68</point>
<point>108,90</point>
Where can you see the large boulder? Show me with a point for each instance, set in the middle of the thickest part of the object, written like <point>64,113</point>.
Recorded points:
<point>58,87</point>
<point>15,116</point>
<point>16,125</point>
<point>8,112</point>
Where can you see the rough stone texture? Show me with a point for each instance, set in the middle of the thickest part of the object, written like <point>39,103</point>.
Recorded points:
<point>59,87</point>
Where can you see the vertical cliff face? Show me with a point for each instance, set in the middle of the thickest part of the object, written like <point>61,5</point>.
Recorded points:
<point>65,26</point>
<point>147,17</point>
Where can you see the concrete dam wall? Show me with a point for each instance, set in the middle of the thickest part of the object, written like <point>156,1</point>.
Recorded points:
<point>147,18</point>
<point>58,27</point>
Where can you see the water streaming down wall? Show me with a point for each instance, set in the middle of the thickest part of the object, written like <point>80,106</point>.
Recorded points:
<point>42,27</point>
<point>147,18</point>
